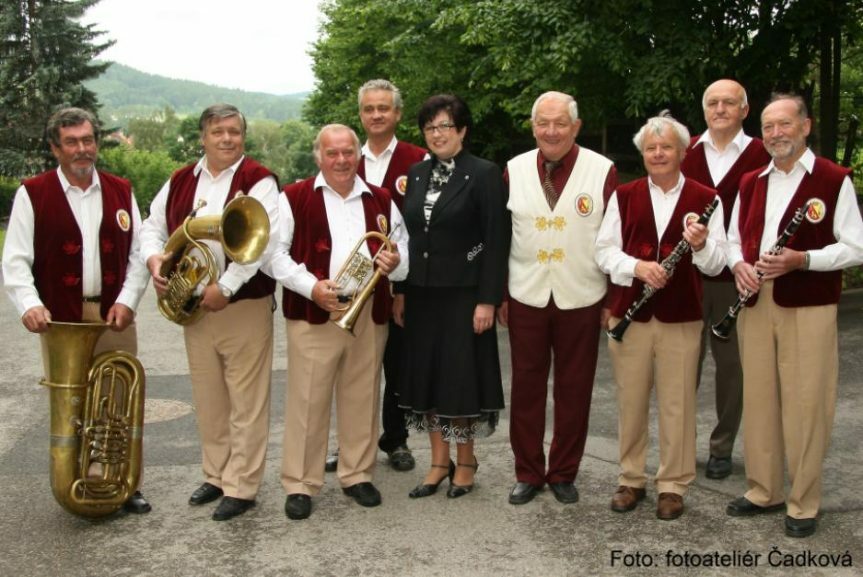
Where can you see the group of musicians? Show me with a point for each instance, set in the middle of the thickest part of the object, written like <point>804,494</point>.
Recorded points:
<point>581,250</point>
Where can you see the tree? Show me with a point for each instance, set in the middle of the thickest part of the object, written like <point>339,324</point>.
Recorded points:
<point>622,59</point>
<point>45,56</point>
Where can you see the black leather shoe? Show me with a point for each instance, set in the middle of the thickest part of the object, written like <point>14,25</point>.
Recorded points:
<point>564,492</point>
<point>456,491</point>
<point>206,493</point>
<point>230,507</point>
<point>298,506</point>
<point>428,489</point>
<point>364,494</point>
<point>137,504</point>
<point>743,507</point>
<point>332,462</point>
<point>718,467</point>
<point>401,458</point>
<point>799,527</point>
<point>522,493</point>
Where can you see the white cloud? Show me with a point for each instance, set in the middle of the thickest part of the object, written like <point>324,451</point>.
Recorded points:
<point>254,45</point>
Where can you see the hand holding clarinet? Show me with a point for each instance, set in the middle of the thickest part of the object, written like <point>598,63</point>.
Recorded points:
<point>655,275</point>
<point>772,264</point>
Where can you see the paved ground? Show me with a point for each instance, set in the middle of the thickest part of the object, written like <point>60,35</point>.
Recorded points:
<point>479,534</point>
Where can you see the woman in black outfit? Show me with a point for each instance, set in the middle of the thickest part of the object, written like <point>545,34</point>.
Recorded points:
<point>455,212</point>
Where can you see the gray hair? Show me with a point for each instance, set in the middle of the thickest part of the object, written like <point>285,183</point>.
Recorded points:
<point>381,84</point>
<point>316,146</point>
<point>66,117</point>
<point>562,97</point>
<point>802,110</point>
<point>743,103</point>
<point>220,111</point>
<point>657,124</point>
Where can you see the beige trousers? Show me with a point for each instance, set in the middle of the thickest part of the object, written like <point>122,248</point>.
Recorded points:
<point>790,360</point>
<point>323,358</point>
<point>664,355</point>
<point>230,362</point>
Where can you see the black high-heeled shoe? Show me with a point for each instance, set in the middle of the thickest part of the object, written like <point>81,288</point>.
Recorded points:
<point>426,490</point>
<point>456,491</point>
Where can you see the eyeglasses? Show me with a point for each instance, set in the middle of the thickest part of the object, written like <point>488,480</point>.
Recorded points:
<point>443,128</point>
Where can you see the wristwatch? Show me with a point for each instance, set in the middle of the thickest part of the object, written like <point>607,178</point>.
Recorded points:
<point>226,292</point>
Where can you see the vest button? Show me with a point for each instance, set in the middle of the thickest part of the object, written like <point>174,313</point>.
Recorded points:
<point>425,255</point>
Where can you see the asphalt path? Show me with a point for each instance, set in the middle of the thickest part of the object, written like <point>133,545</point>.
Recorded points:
<point>479,534</point>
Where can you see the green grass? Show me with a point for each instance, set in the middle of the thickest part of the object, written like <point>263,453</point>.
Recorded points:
<point>2,238</point>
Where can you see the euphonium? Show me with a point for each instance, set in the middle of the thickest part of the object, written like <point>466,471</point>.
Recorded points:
<point>243,230</point>
<point>356,282</point>
<point>97,420</point>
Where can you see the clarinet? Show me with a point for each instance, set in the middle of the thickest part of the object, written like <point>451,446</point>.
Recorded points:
<point>722,329</point>
<point>669,263</point>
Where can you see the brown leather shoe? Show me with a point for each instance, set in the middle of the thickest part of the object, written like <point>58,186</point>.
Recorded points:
<point>626,498</point>
<point>670,506</point>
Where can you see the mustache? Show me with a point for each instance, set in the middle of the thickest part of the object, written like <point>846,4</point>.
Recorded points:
<point>84,156</point>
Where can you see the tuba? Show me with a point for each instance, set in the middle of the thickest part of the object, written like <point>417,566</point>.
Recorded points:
<point>97,419</point>
<point>243,230</point>
<point>356,282</point>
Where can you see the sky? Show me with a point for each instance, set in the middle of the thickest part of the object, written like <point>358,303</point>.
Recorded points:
<point>254,45</point>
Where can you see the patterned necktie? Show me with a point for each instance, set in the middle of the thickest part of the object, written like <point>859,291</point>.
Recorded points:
<point>551,194</point>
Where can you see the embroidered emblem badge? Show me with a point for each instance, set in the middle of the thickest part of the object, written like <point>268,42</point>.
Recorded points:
<point>817,210</point>
<point>123,220</point>
<point>584,204</point>
<point>382,224</point>
<point>402,184</point>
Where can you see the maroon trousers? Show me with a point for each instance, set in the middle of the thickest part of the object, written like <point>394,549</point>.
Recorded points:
<point>573,338</point>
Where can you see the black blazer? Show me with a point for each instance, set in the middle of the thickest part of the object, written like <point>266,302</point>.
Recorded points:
<point>466,241</point>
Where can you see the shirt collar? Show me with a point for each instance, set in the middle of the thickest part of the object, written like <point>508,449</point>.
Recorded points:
<point>807,161</point>
<point>360,186</point>
<point>675,190</point>
<point>741,140</point>
<point>95,185</point>
<point>391,147</point>
<point>202,165</point>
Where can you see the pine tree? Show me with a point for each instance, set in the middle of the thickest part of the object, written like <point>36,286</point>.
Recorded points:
<point>45,56</point>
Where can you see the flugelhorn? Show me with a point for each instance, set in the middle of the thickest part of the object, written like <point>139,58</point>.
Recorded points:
<point>356,281</point>
<point>722,329</point>
<point>669,263</point>
<point>97,420</point>
<point>243,230</point>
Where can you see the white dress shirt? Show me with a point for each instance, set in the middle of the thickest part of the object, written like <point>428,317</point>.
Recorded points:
<point>86,205</point>
<point>214,190</point>
<point>781,187</point>
<point>621,266</point>
<point>720,162</point>
<point>347,222</point>
<point>376,166</point>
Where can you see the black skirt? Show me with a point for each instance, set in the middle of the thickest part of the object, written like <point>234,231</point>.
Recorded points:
<point>451,376</point>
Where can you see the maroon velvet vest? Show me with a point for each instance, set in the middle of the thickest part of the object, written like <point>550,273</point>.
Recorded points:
<point>694,166</point>
<point>797,288</point>
<point>181,195</point>
<point>395,180</point>
<point>57,243</point>
<point>312,246</point>
<point>680,300</point>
